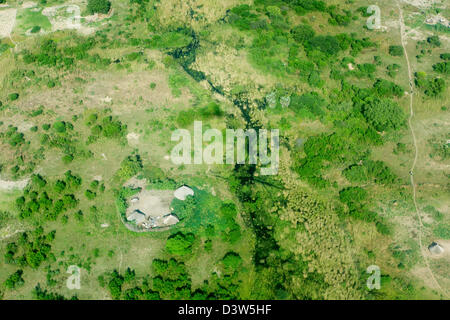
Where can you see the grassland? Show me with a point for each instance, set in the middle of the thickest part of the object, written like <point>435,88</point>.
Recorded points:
<point>153,67</point>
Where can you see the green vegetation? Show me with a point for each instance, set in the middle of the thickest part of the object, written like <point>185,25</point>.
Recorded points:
<point>86,121</point>
<point>15,280</point>
<point>211,110</point>
<point>180,244</point>
<point>98,6</point>
<point>396,51</point>
<point>384,114</point>
<point>432,87</point>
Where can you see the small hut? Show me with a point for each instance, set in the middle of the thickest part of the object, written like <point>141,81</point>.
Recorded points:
<point>170,219</point>
<point>182,192</point>
<point>137,216</point>
<point>435,248</point>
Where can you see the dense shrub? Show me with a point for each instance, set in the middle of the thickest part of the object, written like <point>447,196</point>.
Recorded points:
<point>130,167</point>
<point>15,280</point>
<point>432,87</point>
<point>326,44</point>
<point>308,104</point>
<point>59,126</point>
<point>180,243</point>
<point>242,18</point>
<point>367,68</point>
<point>445,56</point>
<point>212,109</point>
<point>185,118</point>
<point>393,69</point>
<point>384,114</point>
<point>13,96</point>
<point>386,88</point>
<point>302,33</point>
<point>370,170</point>
<point>352,194</point>
<point>442,67</point>
<point>98,6</point>
<point>396,51</point>
<point>434,41</point>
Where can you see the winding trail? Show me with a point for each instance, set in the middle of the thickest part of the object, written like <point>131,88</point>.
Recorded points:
<point>416,153</point>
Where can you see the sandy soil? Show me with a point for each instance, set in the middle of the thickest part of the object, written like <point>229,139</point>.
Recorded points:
<point>60,22</point>
<point>445,244</point>
<point>153,203</point>
<point>7,233</point>
<point>136,183</point>
<point>133,138</point>
<point>7,21</point>
<point>11,185</point>
<point>29,4</point>
<point>57,16</point>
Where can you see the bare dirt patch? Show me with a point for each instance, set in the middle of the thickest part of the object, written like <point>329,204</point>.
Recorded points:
<point>7,22</point>
<point>133,138</point>
<point>124,89</point>
<point>29,4</point>
<point>154,203</point>
<point>444,244</point>
<point>66,17</point>
<point>11,185</point>
<point>8,233</point>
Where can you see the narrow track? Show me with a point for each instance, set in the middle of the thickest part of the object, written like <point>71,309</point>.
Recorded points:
<point>416,153</point>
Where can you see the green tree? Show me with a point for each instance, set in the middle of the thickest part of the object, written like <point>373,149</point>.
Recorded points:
<point>130,166</point>
<point>387,88</point>
<point>115,285</point>
<point>180,243</point>
<point>384,114</point>
<point>59,126</point>
<point>396,51</point>
<point>434,41</point>
<point>13,96</point>
<point>442,67</point>
<point>90,194</point>
<point>38,180</point>
<point>231,261</point>
<point>302,33</point>
<point>326,44</point>
<point>15,280</point>
<point>98,6</point>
